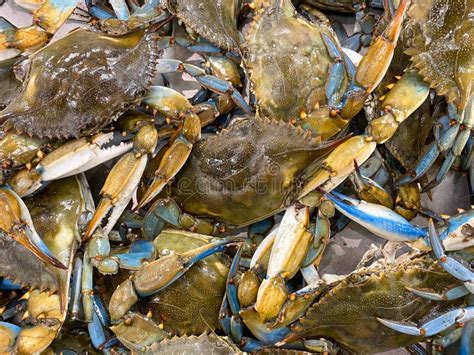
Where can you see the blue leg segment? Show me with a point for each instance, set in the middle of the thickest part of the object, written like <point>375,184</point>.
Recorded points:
<point>336,73</point>
<point>451,265</point>
<point>209,82</point>
<point>449,295</point>
<point>454,140</point>
<point>439,324</point>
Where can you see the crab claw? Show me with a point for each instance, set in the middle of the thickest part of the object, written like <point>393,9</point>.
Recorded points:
<point>123,180</point>
<point>378,219</point>
<point>158,275</point>
<point>16,222</point>
<point>288,252</point>
<point>72,158</point>
<point>339,164</point>
<point>451,265</point>
<point>435,326</point>
<point>375,63</point>
<point>117,192</point>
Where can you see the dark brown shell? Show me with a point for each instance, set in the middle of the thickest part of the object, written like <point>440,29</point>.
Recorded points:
<point>248,172</point>
<point>212,19</point>
<point>82,82</point>
<point>441,42</point>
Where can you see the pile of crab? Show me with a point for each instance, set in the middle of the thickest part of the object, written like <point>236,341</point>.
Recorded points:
<point>172,172</point>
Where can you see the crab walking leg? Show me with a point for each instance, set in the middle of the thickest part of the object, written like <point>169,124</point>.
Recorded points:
<point>453,140</point>
<point>174,105</point>
<point>16,223</point>
<point>448,295</point>
<point>158,275</point>
<point>71,158</point>
<point>457,316</point>
<point>210,82</point>
<point>451,265</point>
<point>47,20</point>
<point>288,252</point>
<point>122,181</point>
<point>404,98</point>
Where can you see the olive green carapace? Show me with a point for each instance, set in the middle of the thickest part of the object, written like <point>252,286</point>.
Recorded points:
<point>202,344</point>
<point>347,314</point>
<point>81,83</point>
<point>10,84</point>
<point>248,172</point>
<point>214,20</point>
<point>191,304</point>
<point>277,39</point>
<point>440,36</point>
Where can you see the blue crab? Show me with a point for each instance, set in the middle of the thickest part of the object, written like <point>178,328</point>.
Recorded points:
<point>59,229</point>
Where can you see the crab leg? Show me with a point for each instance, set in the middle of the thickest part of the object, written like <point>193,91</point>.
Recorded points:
<point>120,9</point>
<point>16,223</point>
<point>457,316</point>
<point>454,140</point>
<point>449,295</point>
<point>122,181</point>
<point>380,220</point>
<point>159,274</point>
<point>451,265</point>
<point>208,81</point>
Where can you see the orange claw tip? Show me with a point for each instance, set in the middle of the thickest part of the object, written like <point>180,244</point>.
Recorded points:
<point>104,206</point>
<point>154,189</point>
<point>393,29</point>
<point>38,248</point>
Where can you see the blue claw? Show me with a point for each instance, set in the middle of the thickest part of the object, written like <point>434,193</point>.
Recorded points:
<point>378,219</point>
<point>451,265</point>
<point>100,321</point>
<point>435,326</point>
